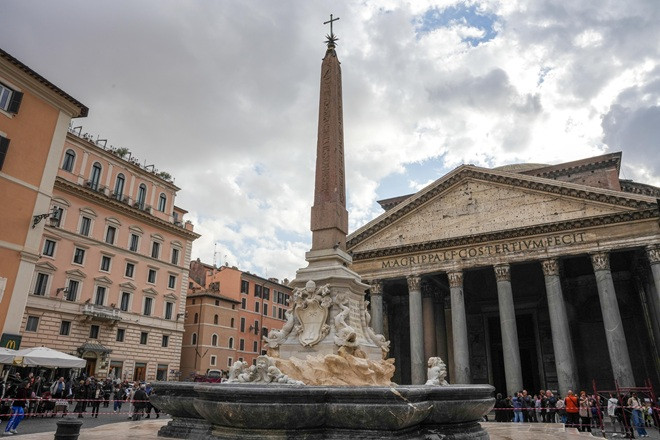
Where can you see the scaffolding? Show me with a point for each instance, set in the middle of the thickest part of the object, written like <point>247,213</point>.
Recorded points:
<point>622,394</point>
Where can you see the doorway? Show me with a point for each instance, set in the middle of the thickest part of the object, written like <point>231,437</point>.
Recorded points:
<point>90,367</point>
<point>140,373</point>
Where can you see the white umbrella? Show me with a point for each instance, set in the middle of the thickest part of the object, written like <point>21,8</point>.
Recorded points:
<point>47,357</point>
<point>7,355</point>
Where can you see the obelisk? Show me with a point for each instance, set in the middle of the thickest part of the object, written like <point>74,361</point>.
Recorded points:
<point>339,291</point>
<point>329,223</point>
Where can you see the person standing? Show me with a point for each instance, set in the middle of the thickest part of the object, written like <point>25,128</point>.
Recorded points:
<point>140,400</point>
<point>517,408</point>
<point>637,418</point>
<point>80,396</point>
<point>561,410</point>
<point>585,412</point>
<point>95,396</point>
<point>551,401</point>
<point>18,408</point>
<point>571,404</point>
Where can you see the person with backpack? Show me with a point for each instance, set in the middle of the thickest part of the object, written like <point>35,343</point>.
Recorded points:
<point>572,406</point>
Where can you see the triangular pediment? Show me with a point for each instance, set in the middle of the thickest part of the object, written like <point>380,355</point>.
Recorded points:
<point>150,291</point>
<point>103,279</point>
<point>46,266</point>
<point>472,200</point>
<point>128,286</point>
<point>170,296</point>
<point>76,273</point>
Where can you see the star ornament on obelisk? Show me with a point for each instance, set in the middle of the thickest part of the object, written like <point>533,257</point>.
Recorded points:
<point>332,38</point>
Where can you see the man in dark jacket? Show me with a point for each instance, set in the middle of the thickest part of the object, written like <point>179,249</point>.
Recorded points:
<point>140,400</point>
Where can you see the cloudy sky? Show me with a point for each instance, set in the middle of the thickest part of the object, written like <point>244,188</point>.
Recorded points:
<point>224,96</point>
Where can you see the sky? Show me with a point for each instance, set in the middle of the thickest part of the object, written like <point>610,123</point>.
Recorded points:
<point>223,95</point>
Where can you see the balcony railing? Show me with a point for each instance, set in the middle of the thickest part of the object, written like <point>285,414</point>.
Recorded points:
<point>101,313</point>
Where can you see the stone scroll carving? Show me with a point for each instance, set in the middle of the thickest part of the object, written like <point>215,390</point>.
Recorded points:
<point>345,335</point>
<point>377,339</point>
<point>276,337</point>
<point>437,372</point>
<point>264,372</point>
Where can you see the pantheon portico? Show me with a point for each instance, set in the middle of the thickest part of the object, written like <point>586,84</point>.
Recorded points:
<point>526,277</point>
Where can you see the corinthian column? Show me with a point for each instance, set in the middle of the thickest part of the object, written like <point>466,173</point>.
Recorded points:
<point>459,329</point>
<point>653,252</point>
<point>428,312</point>
<point>561,334</point>
<point>616,338</point>
<point>417,362</point>
<point>510,348</point>
<point>376,292</point>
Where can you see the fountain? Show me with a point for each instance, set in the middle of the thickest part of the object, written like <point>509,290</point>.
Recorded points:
<point>326,374</point>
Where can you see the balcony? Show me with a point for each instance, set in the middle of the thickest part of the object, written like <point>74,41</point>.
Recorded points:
<point>101,313</point>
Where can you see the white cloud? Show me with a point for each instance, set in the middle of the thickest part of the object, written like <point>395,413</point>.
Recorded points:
<point>224,96</point>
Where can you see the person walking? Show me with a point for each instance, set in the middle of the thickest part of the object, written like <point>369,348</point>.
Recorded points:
<point>18,408</point>
<point>637,418</point>
<point>612,404</point>
<point>572,406</point>
<point>140,400</point>
<point>150,391</point>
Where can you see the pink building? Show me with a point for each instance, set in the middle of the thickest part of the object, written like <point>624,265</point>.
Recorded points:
<point>111,281</point>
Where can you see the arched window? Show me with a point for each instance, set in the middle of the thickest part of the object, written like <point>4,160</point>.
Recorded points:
<point>194,339</point>
<point>215,320</point>
<point>231,343</point>
<point>162,201</point>
<point>142,195</point>
<point>95,177</point>
<point>214,340</point>
<point>231,324</point>
<point>69,160</point>
<point>196,318</point>
<point>119,186</point>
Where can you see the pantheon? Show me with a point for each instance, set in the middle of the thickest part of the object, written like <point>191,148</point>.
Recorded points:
<point>524,276</point>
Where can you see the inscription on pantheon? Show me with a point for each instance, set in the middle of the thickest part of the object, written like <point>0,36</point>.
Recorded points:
<point>486,250</point>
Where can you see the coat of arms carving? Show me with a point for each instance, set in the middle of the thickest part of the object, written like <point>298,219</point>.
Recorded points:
<point>311,310</point>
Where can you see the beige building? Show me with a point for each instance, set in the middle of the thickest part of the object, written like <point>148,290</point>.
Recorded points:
<point>110,284</point>
<point>525,276</point>
<point>34,116</point>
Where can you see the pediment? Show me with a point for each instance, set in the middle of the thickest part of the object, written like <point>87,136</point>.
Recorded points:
<point>128,286</point>
<point>471,201</point>
<point>76,273</point>
<point>46,266</point>
<point>103,279</point>
<point>150,291</point>
<point>170,296</point>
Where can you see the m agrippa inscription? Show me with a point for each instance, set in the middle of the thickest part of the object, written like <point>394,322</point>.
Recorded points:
<point>486,250</point>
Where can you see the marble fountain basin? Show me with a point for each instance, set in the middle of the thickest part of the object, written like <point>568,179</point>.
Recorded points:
<point>242,411</point>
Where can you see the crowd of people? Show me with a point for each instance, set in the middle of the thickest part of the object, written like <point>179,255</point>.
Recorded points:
<point>32,397</point>
<point>625,413</point>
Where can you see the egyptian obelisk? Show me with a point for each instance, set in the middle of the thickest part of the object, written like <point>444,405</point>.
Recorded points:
<point>342,300</point>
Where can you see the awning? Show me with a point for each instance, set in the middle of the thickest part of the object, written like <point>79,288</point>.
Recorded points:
<point>7,355</point>
<point>95,348</point>
<point>47,357</point>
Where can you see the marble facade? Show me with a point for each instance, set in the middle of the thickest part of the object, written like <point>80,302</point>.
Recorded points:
<point>526,276</point>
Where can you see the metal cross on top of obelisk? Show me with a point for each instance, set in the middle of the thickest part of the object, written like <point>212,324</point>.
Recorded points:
<point>331,39</point>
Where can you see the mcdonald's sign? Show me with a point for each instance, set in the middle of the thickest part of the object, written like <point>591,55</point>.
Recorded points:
<point>11,341</point>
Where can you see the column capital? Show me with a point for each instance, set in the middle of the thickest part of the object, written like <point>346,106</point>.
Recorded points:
<point>502,272</point>
<point>653,252</point>
<point>375,287</point>
<point>455,279</point>
<point>550,267</point>
<point>601,261</point>
<point>414,282</point>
